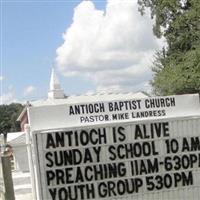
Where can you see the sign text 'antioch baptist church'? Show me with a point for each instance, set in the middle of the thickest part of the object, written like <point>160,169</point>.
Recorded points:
<point>108,149</point>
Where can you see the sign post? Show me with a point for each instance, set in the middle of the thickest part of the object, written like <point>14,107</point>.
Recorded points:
<point>7,176</point>
<point>6,182</point>
<point>2,185</point>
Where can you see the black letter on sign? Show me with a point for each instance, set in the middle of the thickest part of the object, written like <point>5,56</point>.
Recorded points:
<point>50,176</point>
<point>122,136</point>
<point>50,141</point>
<point>138,132</point>
<point>71,111</point>
<point>48,157</point>
<point>53,193</point>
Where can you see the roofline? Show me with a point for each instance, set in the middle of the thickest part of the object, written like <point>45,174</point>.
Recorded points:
<point>23,112</point>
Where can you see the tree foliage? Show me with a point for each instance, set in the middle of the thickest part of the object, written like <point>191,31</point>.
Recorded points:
<point>8,117</point>
<point>177,66</point>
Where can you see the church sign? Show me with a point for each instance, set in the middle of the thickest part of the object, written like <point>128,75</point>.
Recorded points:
<point>149,157</point>
<point>113,111</point>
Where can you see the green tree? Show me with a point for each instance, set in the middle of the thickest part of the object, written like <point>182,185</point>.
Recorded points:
<point>177,66</point>
<point>8,117</point>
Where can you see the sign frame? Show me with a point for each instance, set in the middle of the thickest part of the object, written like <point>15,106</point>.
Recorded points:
<point>38,148</point>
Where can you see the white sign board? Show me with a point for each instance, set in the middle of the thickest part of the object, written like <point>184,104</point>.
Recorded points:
<point>147,148</point>
<point>123,160</point>
<point>106,112</point>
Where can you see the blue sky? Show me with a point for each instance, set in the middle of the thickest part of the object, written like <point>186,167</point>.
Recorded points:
<point>31,33</point>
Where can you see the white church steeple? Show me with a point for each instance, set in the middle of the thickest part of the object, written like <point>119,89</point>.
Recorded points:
<point>55,91</point>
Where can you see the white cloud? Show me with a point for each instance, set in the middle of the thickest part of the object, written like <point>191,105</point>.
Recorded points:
<point>7,98</point>
<point>29,90</point>
<point>1,78</point>
<point>114,48</point>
